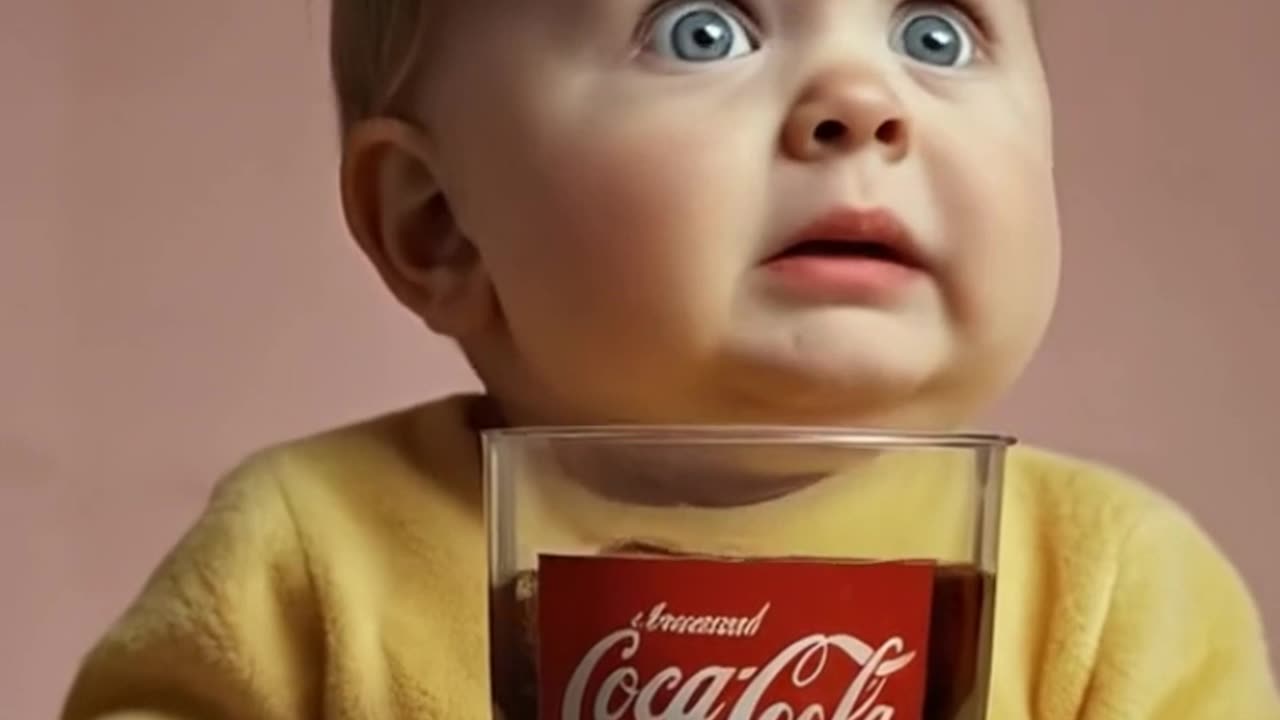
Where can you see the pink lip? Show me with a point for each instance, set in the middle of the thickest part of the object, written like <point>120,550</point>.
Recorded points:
<point>859,278</point>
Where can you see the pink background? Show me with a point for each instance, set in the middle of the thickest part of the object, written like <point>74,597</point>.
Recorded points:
<point>177,287</point>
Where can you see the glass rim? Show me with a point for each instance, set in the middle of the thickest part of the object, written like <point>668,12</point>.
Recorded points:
<point>756,434</point>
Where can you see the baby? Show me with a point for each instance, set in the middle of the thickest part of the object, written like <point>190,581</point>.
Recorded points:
<point>817,212</point>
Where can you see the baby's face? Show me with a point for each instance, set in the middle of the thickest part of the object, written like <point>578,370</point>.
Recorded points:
<point>648,187</point>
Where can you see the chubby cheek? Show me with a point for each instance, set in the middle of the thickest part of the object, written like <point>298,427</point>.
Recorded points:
<point>1003,239</point>
<point>621,241</point>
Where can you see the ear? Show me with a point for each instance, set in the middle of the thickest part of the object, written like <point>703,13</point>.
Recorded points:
<point>403,223</point>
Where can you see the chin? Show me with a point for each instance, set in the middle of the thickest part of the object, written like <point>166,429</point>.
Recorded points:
<point>837,365</point>
<point>868,392</point>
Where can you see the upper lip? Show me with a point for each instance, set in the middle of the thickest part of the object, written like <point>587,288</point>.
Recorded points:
<point>875,230</point>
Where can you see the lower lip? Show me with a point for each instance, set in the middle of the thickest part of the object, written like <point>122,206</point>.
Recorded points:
<point>843,279</point>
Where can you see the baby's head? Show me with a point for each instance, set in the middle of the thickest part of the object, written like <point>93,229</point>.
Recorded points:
<point>808,211</point>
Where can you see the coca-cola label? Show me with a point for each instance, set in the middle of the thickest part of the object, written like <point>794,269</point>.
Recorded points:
<point>632,638</point>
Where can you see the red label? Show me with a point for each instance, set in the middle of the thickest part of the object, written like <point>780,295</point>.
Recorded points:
<point>693,639</point>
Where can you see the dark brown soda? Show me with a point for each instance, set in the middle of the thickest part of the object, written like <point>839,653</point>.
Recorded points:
<point>963,599</point>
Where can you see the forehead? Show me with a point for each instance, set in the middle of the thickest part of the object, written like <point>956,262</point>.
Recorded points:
<point>442,10</point>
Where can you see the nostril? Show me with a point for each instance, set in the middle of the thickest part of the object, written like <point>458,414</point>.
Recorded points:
<point>890,132</point>
<point>829,131</point>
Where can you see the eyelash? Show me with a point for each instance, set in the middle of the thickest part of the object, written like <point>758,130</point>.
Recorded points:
<point>744,14</point>
<point>977,13</point>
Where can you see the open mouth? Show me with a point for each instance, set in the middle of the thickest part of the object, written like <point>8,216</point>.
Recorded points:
<point>853,234</point>
<point>851,249</point>
<point>833,249</point>
<point>849,256</point>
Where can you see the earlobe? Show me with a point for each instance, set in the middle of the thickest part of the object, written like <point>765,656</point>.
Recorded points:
<point>404,224</point>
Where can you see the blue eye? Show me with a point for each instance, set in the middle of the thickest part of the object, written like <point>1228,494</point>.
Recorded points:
<point>934,36</point>
<point>699,32</point>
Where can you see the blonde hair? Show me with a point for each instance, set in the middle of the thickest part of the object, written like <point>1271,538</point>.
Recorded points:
<point>372,52</point>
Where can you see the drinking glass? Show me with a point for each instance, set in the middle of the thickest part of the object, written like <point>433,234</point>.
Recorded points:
<point>731,573</point>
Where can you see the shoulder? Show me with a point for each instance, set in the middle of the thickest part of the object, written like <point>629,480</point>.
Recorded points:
<point>1093,526</point>
<point>1070,504</point>
<point>1079,490</point>
<point>1125,598</point>
<point>1099,506</point>
<point>366,500</point>
<point>308,543</point>
<point>422,457</point>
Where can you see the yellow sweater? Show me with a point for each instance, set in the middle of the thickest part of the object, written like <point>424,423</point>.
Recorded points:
<point>344,576</point>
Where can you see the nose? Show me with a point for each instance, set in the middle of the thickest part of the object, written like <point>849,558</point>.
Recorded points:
<point>839,114</point>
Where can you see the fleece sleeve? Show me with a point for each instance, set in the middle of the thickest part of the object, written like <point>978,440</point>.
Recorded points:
<point>1183,639</point>
<point>225,628</point>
